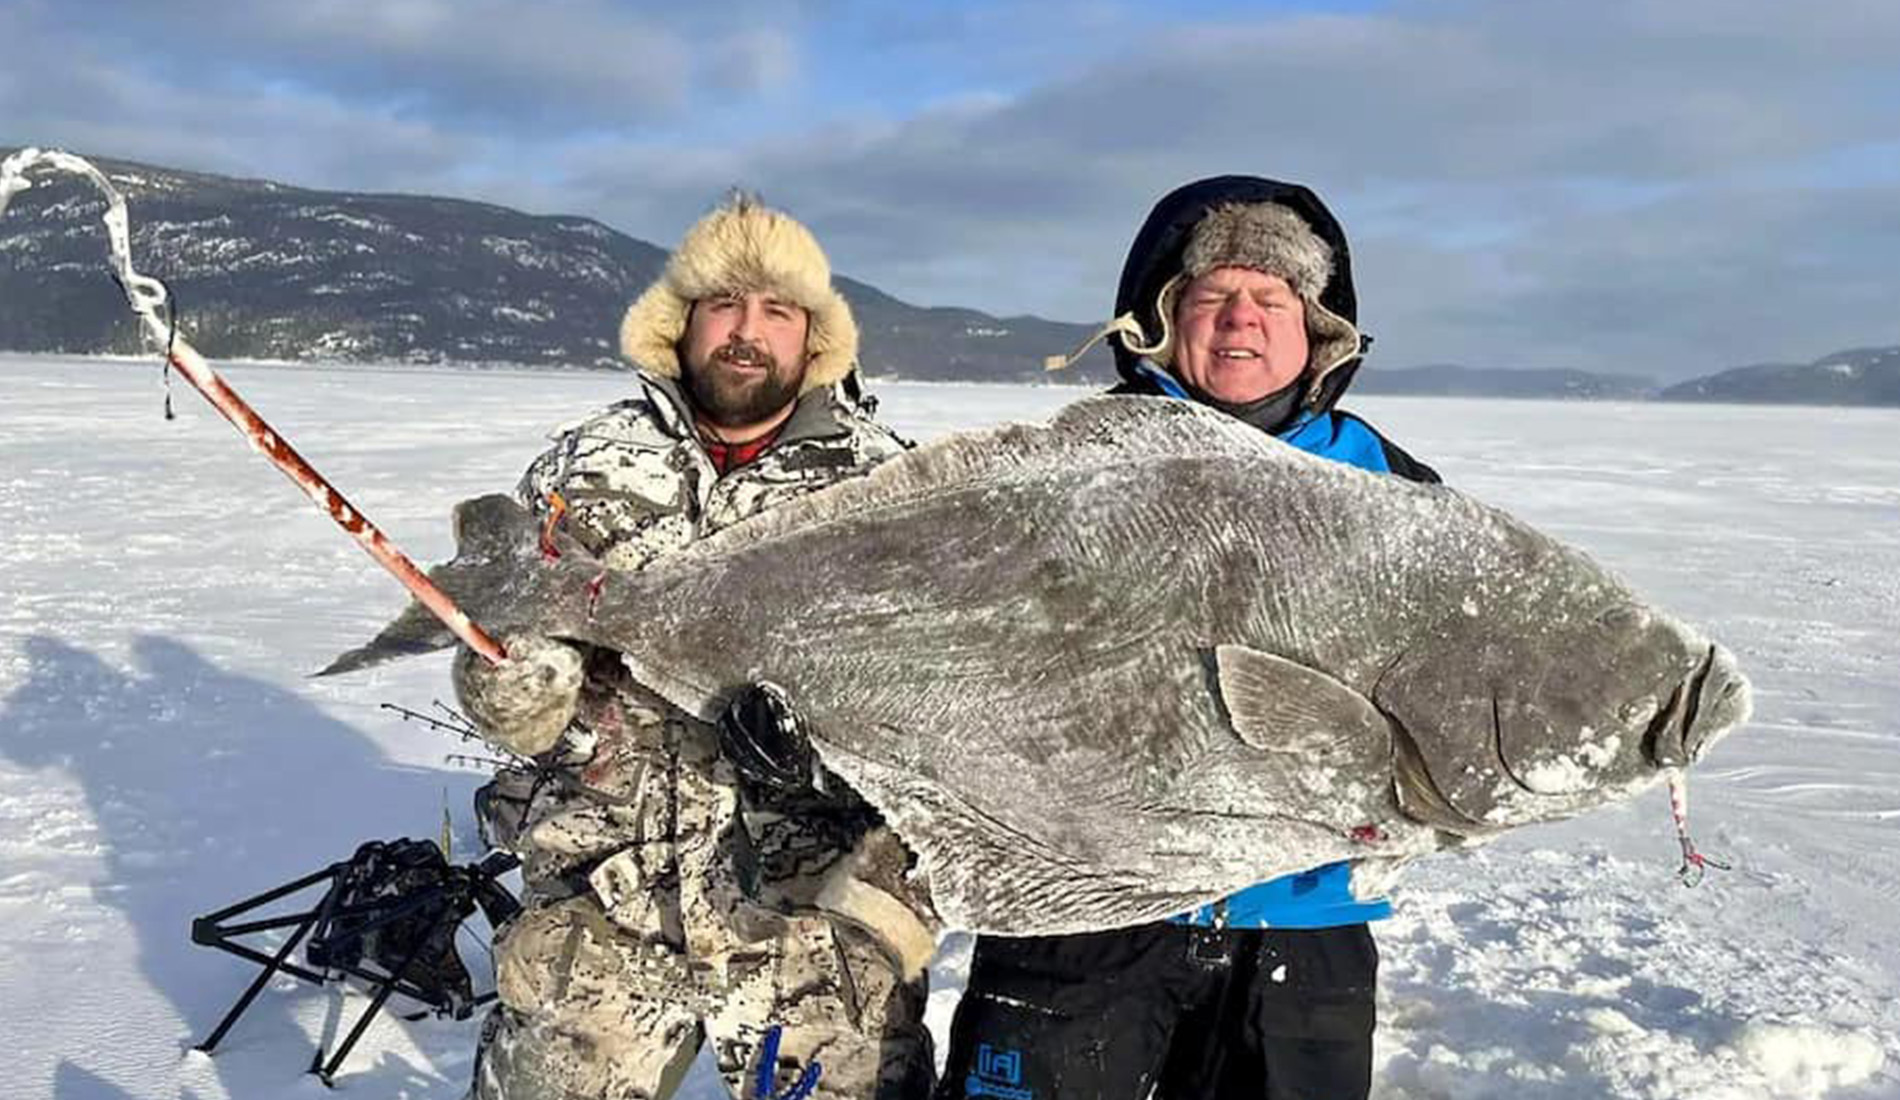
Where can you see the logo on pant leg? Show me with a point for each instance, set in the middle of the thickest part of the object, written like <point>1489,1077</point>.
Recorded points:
<point>999,1073</point>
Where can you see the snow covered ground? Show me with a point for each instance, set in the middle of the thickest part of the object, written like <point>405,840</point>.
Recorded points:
<point>164,594</point>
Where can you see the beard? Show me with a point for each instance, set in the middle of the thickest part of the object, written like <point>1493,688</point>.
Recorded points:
<point>741,384</point>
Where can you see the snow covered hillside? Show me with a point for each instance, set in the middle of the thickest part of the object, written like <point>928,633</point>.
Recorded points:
<point>164,594</point>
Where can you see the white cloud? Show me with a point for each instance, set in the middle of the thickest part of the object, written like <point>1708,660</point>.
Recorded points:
<point>1529,184</point>
<point>1593,185</point>
<point>754,61</point>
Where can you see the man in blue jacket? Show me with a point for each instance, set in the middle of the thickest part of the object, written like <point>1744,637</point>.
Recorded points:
<point>1237,293</point>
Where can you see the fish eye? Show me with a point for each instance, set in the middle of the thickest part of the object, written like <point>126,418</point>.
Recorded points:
<point>1624,616</point>
<point>1639,712</point>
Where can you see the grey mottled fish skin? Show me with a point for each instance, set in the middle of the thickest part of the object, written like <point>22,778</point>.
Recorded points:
<point>1101,671</point>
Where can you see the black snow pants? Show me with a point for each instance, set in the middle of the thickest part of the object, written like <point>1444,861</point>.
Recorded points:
<point>1168,1011</point>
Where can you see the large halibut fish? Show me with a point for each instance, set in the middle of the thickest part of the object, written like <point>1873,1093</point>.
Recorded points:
<point>1104,670</point>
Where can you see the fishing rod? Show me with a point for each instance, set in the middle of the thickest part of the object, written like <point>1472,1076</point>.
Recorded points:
<point>147,297</point>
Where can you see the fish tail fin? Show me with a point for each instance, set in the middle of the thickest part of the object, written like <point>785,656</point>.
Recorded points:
<point>496,540</point>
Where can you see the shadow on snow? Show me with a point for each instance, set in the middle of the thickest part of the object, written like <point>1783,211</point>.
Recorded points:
<point>207,788</point>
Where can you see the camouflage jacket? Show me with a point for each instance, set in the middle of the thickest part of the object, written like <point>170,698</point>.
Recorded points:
<point>635,805</point>
<point>638,484</point>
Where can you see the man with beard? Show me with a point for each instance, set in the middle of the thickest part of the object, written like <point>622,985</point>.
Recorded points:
<point>670,900</point>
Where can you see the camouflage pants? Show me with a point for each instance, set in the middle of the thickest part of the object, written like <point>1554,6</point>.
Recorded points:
<point>639,944</point>
<point>585,1012</point>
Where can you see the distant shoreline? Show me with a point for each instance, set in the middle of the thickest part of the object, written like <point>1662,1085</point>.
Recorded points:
<point>334,366</point>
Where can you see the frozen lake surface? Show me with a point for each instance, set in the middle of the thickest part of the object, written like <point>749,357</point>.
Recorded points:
<point>164,594</point>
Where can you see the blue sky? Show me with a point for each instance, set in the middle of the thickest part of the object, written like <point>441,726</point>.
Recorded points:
<point>1664,188</point>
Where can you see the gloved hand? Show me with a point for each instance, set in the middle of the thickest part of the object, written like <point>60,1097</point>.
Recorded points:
<point>759,733</point>
<point>524,703</point>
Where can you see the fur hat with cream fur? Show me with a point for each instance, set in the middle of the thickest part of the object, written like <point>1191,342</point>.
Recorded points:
<point>740,247</point>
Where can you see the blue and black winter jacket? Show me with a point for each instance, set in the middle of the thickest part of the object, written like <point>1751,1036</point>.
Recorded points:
<point>1321,897</point>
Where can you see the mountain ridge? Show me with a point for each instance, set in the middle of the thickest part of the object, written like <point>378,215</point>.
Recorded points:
<point>265,270</point>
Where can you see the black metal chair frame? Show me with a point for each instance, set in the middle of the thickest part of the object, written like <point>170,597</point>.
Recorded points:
<point>467,886</point>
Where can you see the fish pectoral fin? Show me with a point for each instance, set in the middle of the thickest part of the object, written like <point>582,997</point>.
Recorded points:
<point>1277,705</point>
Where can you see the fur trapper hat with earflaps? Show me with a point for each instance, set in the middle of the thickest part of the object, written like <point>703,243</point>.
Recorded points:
<point>1236,221</point>
<point>1269,238</point>
<point>740,247</point>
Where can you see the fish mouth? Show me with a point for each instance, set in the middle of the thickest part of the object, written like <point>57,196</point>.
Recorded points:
<point>1675,737</point>
<point>1723,702</point>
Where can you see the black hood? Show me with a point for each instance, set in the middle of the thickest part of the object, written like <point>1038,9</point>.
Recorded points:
<point>1155,258</point>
